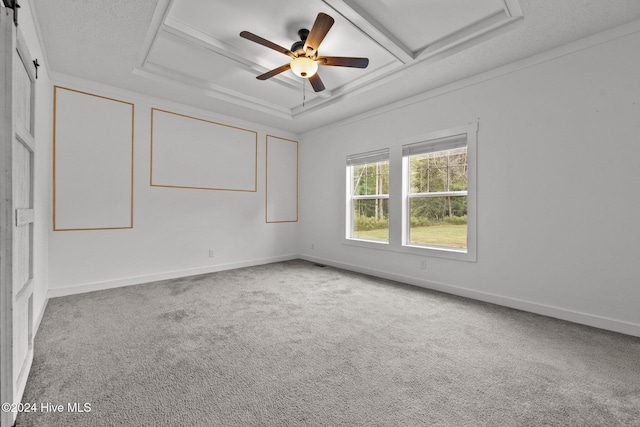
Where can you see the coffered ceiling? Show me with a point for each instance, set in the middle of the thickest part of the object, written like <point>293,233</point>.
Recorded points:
<point>190,51</point>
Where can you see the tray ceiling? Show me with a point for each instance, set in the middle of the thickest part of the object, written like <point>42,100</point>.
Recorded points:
<point>197,42</point>
<point>190,51</point>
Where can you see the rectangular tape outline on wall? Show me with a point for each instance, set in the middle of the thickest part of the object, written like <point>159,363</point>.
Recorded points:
<point>254,166</point>
<point>55,157</point>
<point>267,220</point>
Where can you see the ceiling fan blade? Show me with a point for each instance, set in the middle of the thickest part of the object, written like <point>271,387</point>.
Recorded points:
<point>316,83</point>
<point>264,42</point>
<point>319,30</point>
<point>343,61</point>
<point>274,72</point>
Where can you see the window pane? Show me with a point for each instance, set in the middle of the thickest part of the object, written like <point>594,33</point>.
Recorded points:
<point>371,179</point>
<point>457,167</point>
<point>439,171</point>
<point>371,219</point>
<point>438,221</point>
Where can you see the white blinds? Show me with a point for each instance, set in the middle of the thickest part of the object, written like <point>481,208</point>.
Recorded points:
<point>433,145</point>
<point>369,157</point>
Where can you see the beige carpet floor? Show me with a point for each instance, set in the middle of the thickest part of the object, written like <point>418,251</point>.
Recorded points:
<point>295,344</point>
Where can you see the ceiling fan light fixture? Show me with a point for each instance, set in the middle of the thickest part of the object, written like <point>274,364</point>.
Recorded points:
<point>304,66</point>
<point>304,52</point>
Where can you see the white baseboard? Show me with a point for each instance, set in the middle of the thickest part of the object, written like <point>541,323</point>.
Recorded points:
<point>127,281</point>
<point>609,324</point>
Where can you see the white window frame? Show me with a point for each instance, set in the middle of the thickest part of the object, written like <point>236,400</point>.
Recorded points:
<point>465,254</point>
<point>355,160</point>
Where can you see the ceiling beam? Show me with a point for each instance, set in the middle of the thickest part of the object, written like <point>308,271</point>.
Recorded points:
<point>372,28</point>
<point>159,15</point>
<point>466,34</point>
<point>512,8</point>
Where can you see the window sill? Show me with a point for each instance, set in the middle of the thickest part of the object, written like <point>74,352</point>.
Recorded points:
<point>364,243</point>
<point>446,253</point>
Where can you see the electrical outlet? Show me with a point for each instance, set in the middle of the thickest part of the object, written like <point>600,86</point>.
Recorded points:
<point>210,253</point>
<point>423,264</point>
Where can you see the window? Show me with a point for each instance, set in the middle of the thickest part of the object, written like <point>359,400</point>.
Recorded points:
<point>436,193</point>
<point>426,185</point>
<point>368,196</point>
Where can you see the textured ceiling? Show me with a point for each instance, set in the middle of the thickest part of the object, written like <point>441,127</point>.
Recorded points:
<point>189,51</point>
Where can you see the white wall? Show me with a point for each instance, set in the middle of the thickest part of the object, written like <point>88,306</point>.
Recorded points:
<point>558,209</point>
<point>174,228</point>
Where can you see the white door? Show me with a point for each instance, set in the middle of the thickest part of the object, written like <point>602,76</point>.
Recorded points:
<point>17,150</point>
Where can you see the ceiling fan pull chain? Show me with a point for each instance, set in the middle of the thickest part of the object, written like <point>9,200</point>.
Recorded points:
<point>304,95</point>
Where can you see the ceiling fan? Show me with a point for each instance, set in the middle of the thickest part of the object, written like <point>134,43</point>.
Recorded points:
<point>304,53</point>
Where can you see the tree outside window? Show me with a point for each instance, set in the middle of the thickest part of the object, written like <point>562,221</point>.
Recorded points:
<point>437,192</point>
<point>369,196</point>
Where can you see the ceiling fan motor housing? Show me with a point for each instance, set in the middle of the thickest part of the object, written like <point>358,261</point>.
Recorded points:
<point>299,45</point>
